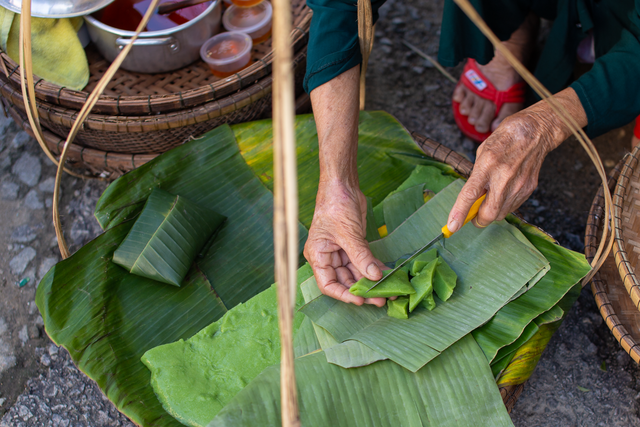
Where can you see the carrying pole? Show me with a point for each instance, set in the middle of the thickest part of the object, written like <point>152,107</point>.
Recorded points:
<point>285,203</point>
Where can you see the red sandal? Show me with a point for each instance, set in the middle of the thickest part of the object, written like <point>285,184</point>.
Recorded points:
<point>479,84</point>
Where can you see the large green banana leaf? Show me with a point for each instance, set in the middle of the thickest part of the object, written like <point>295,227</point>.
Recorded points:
<point>492,265</point>
<point>108,319</point>
<point>455,390</point>
<point>211,173</point>
<point>386,156</point>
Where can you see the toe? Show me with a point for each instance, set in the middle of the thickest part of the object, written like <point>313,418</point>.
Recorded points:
<point>467,103</point>
<point>476,112</point>
<point>458,93</point>
<point>483,123</point>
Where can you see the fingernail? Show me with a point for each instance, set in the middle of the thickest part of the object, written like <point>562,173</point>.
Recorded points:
<point>373,270</point>
<point>454,225</point>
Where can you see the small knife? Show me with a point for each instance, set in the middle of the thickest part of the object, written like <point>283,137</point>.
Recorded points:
<point>473,212</point>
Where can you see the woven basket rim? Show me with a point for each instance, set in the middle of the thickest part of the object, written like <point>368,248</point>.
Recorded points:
<point>65,117</point>
<point>598,284</point>
<point>627,272</point>
<point>152,104</point>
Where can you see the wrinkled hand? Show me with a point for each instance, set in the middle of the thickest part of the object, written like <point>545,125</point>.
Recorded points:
<point>507,165</point>
<point>336,247</point>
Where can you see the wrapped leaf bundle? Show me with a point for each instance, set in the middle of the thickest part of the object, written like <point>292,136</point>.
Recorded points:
<point>166,237</point>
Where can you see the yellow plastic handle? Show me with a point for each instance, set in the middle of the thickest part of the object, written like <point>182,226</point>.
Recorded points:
<point>473,212</point>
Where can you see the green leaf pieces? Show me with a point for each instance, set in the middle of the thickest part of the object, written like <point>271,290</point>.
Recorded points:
<point>397,284</point>
<point>398,308</point>
<point>454,390</point>
<point>166,237</point>
<point>423,284</point>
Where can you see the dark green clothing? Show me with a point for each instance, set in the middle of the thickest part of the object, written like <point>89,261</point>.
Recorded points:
<point>609,92</point>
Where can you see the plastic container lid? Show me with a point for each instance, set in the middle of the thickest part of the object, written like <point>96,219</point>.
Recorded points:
<point>255,20</point>
<point>227,52</point>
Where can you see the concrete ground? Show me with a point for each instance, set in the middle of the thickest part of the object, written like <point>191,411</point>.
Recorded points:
<point>583,378</point>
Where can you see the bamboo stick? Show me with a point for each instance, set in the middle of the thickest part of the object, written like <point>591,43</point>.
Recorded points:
<point>365,36</point>
<point>606,243</point>
<point>285,204</point>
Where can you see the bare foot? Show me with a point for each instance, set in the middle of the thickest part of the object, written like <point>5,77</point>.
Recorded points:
<point>482,112</point>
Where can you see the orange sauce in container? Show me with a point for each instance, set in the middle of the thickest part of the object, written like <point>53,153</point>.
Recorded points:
<point>246,3</point>
<point>227,53</point>
<point>127,14</point>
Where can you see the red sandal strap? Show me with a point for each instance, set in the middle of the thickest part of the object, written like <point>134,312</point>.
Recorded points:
<point>479,84</point>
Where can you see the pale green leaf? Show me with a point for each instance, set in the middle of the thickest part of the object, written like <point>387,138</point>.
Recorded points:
<point>455,390</point>
<point>401,205</point>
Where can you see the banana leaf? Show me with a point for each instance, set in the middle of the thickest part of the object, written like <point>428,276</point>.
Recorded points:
<point>567,269</point>
<point>349,354</point>
<point>433,175</point>
<point>237,348</point>
<point>492,264</point>
<point>210,171</point>
<point>505,355</point>
<point>107,317</point>
<point>456,389</point>
<point>166,238</point>
<point>386,156</point>
<point>525,358</point>
<point>401,205</point>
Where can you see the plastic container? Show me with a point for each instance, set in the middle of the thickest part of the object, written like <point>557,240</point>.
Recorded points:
<point>255,21</point>
<point>246,3</point>
<point>227,53</point>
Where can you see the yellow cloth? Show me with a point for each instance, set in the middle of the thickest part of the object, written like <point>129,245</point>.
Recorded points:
<point>57,54</point>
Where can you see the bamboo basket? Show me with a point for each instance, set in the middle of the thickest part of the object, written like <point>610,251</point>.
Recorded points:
<point>610,291</point>
<point>156,133</point>
<point>138,94</point>
<point>142,114</point>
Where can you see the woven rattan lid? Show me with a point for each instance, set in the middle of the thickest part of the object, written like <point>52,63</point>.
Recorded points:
<point>616,306</point>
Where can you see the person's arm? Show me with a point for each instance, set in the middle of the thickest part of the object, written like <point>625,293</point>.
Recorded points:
<point>509,161</point>
<point>336,247</point>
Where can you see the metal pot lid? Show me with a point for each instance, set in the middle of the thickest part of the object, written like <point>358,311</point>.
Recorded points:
<point>57,8</point>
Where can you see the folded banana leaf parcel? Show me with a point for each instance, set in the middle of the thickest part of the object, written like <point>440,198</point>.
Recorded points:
<point>207,352</point>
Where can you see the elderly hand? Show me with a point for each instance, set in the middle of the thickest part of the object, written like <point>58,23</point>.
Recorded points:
<point>509,161</point>
<point>336,248</point>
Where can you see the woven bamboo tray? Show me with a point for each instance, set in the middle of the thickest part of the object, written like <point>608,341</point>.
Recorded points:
<point>616,306</point>
<point>159,132</point>
<point>136,94</point>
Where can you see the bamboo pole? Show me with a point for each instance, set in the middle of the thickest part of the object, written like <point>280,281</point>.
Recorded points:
<point>606,243</point>
<point>365,37</point>
<point>285,193</point>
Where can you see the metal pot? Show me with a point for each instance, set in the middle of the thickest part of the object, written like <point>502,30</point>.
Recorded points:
<point>157,51</point>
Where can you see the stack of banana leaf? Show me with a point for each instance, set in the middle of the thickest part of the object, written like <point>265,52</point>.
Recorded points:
<point>207,352</point>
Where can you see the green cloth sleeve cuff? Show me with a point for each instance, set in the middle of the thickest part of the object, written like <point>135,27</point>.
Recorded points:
<point>609,91</point>
<point>333,40</point>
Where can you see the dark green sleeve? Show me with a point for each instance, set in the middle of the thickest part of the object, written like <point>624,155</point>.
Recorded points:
<point>333,40</point>
<point>610,91</point>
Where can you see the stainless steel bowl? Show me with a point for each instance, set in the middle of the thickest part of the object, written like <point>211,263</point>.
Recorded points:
<point>158,51</point>
<point>57,8</point>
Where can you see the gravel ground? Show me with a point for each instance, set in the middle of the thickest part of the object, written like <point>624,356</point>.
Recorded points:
<point>584,378</point>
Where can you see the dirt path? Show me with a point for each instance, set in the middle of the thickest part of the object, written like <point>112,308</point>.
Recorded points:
<point>583,378</point>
